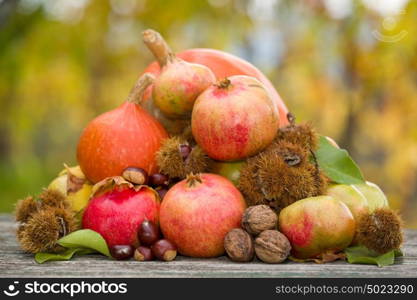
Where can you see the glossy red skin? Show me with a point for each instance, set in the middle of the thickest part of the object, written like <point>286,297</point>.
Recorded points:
<point>223,65</point>
<point>117,215</point>
<point>124,137</point>
<point>235,122</point>
<point>198,218</point>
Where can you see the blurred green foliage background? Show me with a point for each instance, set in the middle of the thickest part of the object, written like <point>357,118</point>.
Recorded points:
<point>348,66</point>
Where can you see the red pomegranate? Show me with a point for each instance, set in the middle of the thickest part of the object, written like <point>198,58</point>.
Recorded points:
<point>117,209</point>
<point>223,65</point>
<point>198,212</point>
<point>234,119</point>
<point>179,83</point>
<point>127,136</point>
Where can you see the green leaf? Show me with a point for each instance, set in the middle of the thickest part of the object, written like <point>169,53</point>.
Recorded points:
<point>42,257</point>
<point>79,242</point>
<point>398,253</point>
<point>362,255</point>
<point>85,238</point>
<point>337,164</point>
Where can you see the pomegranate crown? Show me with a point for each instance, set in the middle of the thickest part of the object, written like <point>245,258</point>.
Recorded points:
<point>193,179</point>
<point>224,83</point>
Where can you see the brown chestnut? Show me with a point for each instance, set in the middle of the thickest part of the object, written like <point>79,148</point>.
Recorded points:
<point>135,175</point>
<point>143,253</point>
<point>148,233</point>
<point>185,151</point>
<point>164,250</point>
<point>162,192</point>
<point>122,252</point>
<point>158,179</point>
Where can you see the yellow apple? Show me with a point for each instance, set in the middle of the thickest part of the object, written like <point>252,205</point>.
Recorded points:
<point>74,185</point>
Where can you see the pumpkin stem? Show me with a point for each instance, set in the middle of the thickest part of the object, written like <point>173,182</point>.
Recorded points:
<point>193,180</point>
<point>136,93</point>
<point>224,83</point>
<point>158,46</point>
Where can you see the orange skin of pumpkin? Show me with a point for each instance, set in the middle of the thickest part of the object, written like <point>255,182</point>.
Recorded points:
<point>224,65</point>
<point>124,137</point>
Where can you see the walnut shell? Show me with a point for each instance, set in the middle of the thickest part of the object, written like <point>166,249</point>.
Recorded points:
<point>239,245</point>
<point>259,218</point>
<point>271,246</point>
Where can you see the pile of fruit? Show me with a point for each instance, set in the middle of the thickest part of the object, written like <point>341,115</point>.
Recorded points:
<point>204,158</point>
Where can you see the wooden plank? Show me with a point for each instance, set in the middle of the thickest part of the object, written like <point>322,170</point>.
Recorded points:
<point>15,263</point>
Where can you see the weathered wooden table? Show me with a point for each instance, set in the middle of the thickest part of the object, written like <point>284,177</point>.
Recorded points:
<point>15,263</point>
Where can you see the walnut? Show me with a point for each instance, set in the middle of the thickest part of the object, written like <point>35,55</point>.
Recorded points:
<point>259,218</point>
<point>271,246</point>
<point>239,245</point>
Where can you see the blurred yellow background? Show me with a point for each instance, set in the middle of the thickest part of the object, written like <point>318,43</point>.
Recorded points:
<point>348,66</point>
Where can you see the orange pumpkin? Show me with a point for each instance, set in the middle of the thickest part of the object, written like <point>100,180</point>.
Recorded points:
<point>127,136</point>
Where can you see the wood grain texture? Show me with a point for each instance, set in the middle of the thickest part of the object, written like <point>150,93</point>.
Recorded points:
<point>15,263</point>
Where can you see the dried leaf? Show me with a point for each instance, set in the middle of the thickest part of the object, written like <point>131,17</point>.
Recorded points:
<point>323,258</point>
<point>74,183</point>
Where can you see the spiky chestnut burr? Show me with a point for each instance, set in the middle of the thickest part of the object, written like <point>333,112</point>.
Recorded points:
<point>43,221</point>
<point>54,198</point>
<point>280,175</point>
<point>299,134</point>
<point>25,208</point>
<point>380,231</point>
<point>173,160</point>
<point>30,205</point>
<point>44,228</point>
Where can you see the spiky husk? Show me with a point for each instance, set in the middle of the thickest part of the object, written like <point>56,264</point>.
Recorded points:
<point>20,230</point>
<point>53,198</point>
<point>44,228</point>
<point>380,231</point>
<point>302,134</point>
<point>171,163</point>
<point>25,208</point>
<point>280,175</point>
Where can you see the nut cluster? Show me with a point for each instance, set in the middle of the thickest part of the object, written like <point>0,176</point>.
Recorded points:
<point>158,181</point>
<point>151,246</point>
<point>270,245</point>
<point>259,218</point>
<point>239,245</point>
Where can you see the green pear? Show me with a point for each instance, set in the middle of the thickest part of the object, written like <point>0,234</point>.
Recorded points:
<point>365,197</point>
<point>351,196</point>
<point>317,227</point>
<point>376,198</point>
